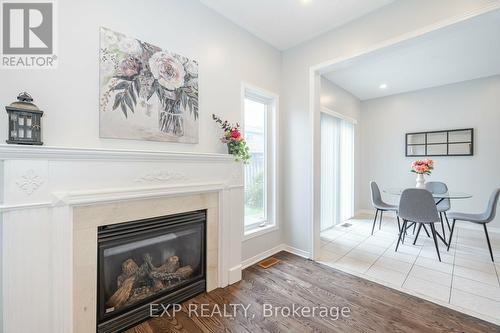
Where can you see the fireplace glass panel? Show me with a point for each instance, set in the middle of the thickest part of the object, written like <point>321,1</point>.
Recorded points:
<point>138,266</point>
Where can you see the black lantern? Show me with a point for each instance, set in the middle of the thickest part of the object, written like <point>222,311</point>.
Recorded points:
<point>25,121</point>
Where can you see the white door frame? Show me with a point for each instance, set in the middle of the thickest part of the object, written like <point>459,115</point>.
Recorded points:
<point>315,73</point>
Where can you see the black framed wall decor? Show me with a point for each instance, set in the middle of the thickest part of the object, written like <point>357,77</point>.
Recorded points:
<point>456,142</point>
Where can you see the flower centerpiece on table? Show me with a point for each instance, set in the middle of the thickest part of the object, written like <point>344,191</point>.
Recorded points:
<point>236,144</point>
<point>421,168</point>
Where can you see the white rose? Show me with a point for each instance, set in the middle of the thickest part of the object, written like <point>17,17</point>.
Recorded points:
<point>130,46</point>
<point>167,69</point>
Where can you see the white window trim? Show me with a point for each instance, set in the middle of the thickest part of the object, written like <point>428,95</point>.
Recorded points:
<point>272,223</point>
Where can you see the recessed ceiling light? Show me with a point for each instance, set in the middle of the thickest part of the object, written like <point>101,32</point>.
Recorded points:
<point>305,2</point>
<point>383,86</point>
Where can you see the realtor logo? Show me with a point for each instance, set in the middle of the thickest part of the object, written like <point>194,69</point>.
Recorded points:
<point>28,34</point>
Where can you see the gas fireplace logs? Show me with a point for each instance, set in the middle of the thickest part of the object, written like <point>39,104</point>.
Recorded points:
<point>138,282</point>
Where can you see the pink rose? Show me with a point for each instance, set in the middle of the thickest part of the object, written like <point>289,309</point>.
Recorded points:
<point>129,68</point>
<point>235,134</point>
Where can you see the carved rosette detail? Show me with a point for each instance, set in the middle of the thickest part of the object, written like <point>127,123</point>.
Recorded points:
<point>29,182</point>
<point>161,177</point>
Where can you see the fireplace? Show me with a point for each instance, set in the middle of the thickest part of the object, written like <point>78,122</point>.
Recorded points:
<point>156,260</point>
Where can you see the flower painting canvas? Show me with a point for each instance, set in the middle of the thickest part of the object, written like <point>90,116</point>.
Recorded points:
<point>146,93</point>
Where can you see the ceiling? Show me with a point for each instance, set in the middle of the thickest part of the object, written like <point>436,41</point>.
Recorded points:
<point>464,51</point>
<point>287,23</point>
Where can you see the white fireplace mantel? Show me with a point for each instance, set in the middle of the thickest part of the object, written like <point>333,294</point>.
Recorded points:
<point>40,188</point>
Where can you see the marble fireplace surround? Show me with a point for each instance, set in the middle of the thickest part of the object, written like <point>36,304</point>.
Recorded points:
<point>86,220</point>
<point>53,199</point>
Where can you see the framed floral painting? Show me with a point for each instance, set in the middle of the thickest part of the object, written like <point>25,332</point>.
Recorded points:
<point>146,93</point>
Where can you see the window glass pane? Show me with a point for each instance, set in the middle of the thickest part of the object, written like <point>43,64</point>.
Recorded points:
<point>437,149</point>
<point>255,170</point>
<point>418,150</point>
<point>416,138</point>
<point>460,148</point>
<point>439,137</point>
<point>461,136</point>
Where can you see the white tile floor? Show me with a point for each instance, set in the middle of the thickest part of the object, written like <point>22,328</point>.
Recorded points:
<point>466,279</point>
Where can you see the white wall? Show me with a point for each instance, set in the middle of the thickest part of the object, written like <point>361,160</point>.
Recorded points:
<point>462,105</point>
<point>341,101</point>
<point>69,95</point>
<point>393,20</point>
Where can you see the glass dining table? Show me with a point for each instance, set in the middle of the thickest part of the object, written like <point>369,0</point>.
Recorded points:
<point>439,197</point>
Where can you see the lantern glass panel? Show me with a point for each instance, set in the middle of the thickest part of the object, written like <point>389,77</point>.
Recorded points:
<point>24,121</point>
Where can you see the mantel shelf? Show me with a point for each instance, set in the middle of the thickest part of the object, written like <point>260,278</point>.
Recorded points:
<point>17,152</point>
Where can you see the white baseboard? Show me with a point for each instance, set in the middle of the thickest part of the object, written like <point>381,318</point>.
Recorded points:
<point>360,212</point>
<point>282,247</point>
<point>371,213</point>
<point>296,251</point>
<point>261,256</point>
<point>234,274</point>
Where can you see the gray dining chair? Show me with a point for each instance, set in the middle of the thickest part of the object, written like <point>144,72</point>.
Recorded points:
<point>443,205</point>
<point>381,206</point>
<point>418,206</point>
<point>482,218</point>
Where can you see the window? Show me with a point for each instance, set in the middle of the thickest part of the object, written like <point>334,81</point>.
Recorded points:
<point>337,170</point>
<point>259,110</point>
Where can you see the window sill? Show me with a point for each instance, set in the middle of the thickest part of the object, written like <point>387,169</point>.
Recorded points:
<point>259,231</point>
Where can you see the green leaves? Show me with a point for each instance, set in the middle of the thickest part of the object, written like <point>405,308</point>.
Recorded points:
<point>239,150</point>
<point>126,99</point>
<point>189,100</point>
<point>174,103</point>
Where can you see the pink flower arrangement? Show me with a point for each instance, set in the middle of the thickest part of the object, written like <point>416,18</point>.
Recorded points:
<point>236,144</point>
<point>422,167</point>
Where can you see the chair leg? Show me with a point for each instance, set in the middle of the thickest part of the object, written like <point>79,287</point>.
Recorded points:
<point>399,224</point>
<point>418,232</point>
<point>447,222</point>
<point>442,223</point>
<point>380,222</point>
<point>404,234</point>
<point>425,229</point>
<point>374,221</point>
<point>488,240</point>
<point>433,231</point>
<point>400,235</point>
<point>451,234</point>
<point>414,226</point>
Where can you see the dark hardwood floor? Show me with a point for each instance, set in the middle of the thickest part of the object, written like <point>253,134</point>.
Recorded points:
<point>373,307</point>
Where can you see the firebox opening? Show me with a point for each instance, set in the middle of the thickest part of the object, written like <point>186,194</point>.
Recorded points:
<point>157,260</point>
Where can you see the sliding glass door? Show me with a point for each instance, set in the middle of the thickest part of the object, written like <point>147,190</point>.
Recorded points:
<point>337,170</point>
